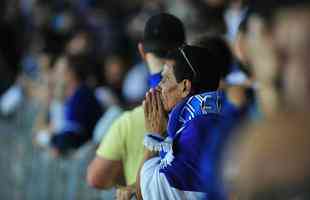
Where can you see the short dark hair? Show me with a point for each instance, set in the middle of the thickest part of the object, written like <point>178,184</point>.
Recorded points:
<point>206,66</point>
<point>219,48</point>
<point>162,33</point>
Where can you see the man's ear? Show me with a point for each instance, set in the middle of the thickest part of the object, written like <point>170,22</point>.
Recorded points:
<point>141,50</point>
<point>186,87</point>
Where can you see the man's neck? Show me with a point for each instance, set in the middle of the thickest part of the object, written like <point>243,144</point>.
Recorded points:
<point>154,63</point>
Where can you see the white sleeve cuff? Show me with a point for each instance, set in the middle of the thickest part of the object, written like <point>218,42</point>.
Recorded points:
<point>154,142</point>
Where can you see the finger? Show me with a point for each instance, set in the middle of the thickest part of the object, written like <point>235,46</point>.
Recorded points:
<point>157,89</point>
<point>147,103</point>
<point>121,195</point>
<point>153,101</point>
<point>144,107</point>
<point>118,194</point>
<point>159,102</point>
<point>126,195</point>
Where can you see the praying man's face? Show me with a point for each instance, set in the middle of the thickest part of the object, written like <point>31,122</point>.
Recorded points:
<point>172,92</point>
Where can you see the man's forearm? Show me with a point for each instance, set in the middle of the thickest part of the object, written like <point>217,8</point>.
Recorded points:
<point>103,173</point>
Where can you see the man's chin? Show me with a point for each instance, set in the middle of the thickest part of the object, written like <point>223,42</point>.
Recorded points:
<point>167,109</point>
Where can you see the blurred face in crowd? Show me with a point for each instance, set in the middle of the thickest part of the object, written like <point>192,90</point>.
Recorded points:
<point>261,51</point>
<point>292,30</point>
<point>272,161</point>
<point>59,82</point>
<point>261,54</point>
<point>172,92</point>
<point>239,48</point>
<point>114,70</point>
<point>68,74</point>
<point>79,44</point>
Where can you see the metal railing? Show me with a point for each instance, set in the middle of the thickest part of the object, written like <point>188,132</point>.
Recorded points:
<point>28,172</point>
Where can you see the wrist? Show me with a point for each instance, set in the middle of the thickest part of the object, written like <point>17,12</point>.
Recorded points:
<point>156,143</point>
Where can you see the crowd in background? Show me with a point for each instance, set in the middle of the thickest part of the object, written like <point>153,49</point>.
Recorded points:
<point>39,36</point>
<point>81,62</point>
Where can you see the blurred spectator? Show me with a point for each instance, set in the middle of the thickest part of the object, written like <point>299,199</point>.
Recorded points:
<point>81,109</point>
<point>113,71</point>
<point>268,160</point>
<point>234,109</point>
<point>271,160</point>
<point>256,48</point>
<point>291,31</point>
<point>53,53</point>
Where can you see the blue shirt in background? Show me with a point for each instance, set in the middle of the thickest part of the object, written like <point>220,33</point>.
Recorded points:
<point>81,113</point>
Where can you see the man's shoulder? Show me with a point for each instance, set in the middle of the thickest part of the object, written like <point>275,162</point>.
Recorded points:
<point>206,119</point>
<point>136,112</point>
<point>132,117</point>
<point>203,123</point>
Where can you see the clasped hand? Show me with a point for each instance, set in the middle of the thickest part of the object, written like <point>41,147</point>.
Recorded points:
<point>154,113</point>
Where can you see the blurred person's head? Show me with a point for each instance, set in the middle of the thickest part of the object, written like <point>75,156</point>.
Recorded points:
<point>235,89</point>
<point>187,71</point>
<point>255,47</point>
<point>292,29</point>
<point>255,43</point>
<point>114,69</point>
<point>270,160</point>
<point>162,33</point>
<point>80,43</point>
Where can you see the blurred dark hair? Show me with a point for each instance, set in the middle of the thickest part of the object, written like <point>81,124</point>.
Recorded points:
<point>206,66</point>
<point>219,48</point>
<point>79,65</point>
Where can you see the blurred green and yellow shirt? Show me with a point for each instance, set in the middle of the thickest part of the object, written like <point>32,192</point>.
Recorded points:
<point>124,142</point>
